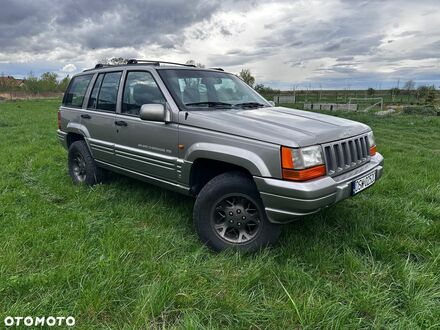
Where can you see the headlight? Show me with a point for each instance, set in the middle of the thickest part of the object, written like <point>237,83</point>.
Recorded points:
<point>303,163</point>
<point>372,143</point>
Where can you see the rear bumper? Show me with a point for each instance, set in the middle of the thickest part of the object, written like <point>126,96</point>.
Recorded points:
<point>62,138</point>
<point>286,200</point>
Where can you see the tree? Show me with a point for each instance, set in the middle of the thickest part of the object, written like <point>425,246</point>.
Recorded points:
<point>262,89</point>
<point>428,93</point>
<point>409,85</point>
<point>113,61</point>
<point>192,62</point>
<point>394,91</point>
<point>370,91</point>
<point>49,82</point>
<point>247,77</point>
<point>31,83</point>
<point>62,86</point>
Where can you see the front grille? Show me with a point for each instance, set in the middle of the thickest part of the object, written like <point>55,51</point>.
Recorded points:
<point>344,155</point>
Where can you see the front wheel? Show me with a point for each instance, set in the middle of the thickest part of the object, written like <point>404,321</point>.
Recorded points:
<point>229,214</point>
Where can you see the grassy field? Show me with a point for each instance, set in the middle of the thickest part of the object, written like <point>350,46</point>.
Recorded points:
<point>125,255</point>
<point>343,96</point>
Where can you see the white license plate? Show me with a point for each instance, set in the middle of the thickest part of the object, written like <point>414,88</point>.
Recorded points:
<point>363,183</point>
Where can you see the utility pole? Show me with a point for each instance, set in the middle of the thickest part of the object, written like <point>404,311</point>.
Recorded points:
<point>294,93</point>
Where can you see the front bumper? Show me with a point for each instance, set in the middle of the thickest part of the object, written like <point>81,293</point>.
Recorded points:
<point>286,200</point>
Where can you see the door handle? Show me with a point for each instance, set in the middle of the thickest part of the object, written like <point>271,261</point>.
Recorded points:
<point>86,116</point>
<point>120,123</point>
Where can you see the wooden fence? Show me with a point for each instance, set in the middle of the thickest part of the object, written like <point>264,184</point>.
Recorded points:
<point>20,95</point>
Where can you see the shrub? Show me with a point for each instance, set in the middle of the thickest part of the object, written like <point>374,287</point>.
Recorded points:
<point>420,110</point>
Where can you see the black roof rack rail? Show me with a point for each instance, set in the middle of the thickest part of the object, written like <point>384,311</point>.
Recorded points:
<point>135,61</point>
<point>218,69</point>
<point>101,65</point>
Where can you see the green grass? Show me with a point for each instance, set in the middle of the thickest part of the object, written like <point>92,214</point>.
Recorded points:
<point>125,255</point>
<point>343,96</point>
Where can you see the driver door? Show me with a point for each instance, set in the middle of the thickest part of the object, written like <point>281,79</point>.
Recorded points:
<point>146,147</point>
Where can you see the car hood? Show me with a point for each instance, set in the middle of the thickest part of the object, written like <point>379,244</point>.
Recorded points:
<point>279,125</point>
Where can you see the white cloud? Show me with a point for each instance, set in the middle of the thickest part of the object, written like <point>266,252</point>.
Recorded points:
<point>283,42</point>
<point>69,68</point>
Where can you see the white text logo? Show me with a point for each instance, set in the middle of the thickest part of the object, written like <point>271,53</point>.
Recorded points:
<point>29,321</point>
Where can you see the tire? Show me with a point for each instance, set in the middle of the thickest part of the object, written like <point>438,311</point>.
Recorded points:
<point>229,214</point>
<point>82,166</point>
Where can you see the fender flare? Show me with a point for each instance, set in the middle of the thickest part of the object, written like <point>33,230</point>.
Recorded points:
<point>78,129</point>
<point>81,130</point>
<point>228,154</point>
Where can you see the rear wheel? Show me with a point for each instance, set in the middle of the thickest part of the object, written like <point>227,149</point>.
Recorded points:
<point>82,166</point>
<point>229,213</point>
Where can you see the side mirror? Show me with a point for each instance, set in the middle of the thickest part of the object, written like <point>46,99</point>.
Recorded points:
<point>153,112</point>
<point>272,103</point>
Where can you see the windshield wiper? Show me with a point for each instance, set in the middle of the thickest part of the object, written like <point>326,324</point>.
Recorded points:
<point>250,105</point>
<point>210,104</point>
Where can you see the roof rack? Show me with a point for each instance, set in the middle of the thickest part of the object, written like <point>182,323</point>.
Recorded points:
<point>218,69</point>
<point>147,62</point>
<point>158,63</point>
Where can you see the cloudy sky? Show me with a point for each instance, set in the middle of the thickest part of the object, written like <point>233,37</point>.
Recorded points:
<point>307,44</point>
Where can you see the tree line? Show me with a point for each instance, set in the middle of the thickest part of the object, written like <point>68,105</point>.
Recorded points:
<point>47,82</point>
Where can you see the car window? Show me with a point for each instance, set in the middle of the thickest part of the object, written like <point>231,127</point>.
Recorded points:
<point>227,91</point>
<point>94,95</point>
<point>74,96</point>
<point>140,88</point>
<point>192,90</point>
<point>105,91</point>
<point>195,89</point>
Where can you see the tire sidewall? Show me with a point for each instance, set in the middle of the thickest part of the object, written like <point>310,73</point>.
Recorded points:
<point>80,147</point>
<point>225,184</point>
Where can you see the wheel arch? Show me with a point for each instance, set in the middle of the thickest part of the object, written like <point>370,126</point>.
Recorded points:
<point>209,160</point>
<point>76,132</point>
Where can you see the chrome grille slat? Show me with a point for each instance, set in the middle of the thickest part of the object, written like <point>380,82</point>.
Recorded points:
<point>345,155</point>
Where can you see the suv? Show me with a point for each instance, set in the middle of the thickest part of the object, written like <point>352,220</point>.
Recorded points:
<point>204,132</point>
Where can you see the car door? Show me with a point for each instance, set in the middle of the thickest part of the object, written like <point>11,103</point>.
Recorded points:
<point>146,147</point>
<point>99,115</point>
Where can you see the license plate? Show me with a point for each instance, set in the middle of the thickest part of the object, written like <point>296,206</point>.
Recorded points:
<point>363,183</point>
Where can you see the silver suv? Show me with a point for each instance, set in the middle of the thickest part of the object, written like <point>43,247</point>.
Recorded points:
<point>205,133</point>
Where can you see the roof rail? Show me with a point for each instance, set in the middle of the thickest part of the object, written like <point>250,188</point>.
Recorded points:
<point>158,63</point>
<point>218,69</point>
<point>135,61</point>
<point>102,65</point>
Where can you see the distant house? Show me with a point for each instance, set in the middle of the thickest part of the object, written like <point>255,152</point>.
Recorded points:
<point>11,82</point>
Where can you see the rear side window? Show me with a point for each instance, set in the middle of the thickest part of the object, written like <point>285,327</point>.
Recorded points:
<point>105,92</point>
<point>74,95</point>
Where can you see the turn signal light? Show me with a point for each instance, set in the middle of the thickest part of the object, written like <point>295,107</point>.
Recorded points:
<point>302,164</point>
<point>373,151</point>
<point>304,175</point>
<point>286,157</point>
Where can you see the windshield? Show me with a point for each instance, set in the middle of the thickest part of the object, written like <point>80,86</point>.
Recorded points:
<point>203,89</point>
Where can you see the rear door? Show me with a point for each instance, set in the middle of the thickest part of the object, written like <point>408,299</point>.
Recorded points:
<point>144,146</point>
<point>99,116</point>
<point>73,100</point>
